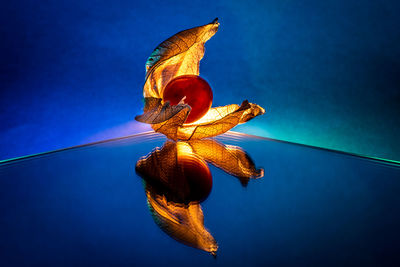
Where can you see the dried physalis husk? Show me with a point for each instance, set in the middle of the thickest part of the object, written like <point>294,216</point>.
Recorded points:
<point>181,55</point>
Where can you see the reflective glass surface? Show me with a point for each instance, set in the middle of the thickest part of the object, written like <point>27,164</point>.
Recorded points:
<point>232,200</point>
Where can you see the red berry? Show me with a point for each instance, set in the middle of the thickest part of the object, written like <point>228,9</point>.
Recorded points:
<point>192,90</point>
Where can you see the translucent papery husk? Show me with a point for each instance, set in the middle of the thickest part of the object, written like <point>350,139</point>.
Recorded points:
<point>178,55</point>
<point>217,121</point>
<point>181,55</point>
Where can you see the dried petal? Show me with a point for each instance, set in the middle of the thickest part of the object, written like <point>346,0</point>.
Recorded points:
<point>181,55</point>
<point>215,122</point>
<point>178,55</point>
<point>156,112</point>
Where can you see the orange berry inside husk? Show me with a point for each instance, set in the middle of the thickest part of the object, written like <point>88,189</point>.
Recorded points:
<point>192,90</point>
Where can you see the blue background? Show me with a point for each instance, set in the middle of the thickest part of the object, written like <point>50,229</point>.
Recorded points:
<point>328,72</point>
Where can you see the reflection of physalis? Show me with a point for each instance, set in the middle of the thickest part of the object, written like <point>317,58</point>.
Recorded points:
<point>169,112</point>
<point>177,179</point>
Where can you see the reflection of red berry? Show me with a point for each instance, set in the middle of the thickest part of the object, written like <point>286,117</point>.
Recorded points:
<point>192,90</point>
<point>196,179</point>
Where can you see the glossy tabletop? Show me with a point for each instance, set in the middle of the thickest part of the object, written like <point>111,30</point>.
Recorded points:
<point>255,202</point>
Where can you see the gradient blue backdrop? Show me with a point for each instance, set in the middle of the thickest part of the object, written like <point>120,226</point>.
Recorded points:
<point>328,72</point>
